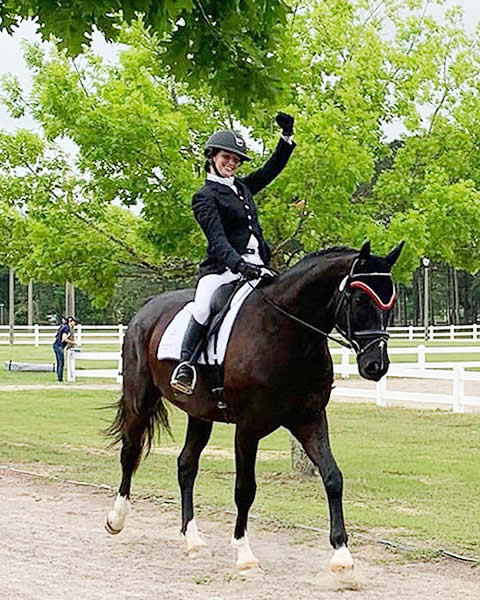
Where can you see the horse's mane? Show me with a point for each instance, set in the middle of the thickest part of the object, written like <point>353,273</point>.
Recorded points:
<point>327,253</point>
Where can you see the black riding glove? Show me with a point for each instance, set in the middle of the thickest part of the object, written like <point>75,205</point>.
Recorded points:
<point>286,123</point>
<point>249,271</point>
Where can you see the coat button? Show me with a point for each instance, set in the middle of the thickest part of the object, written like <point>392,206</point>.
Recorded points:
<point>250,227</point>
<point>246,206</point>
<point>249,216</point>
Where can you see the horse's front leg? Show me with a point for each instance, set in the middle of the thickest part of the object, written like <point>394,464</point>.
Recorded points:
<point>314,439</point>
<point>246,446</point>
<point>198,434</point>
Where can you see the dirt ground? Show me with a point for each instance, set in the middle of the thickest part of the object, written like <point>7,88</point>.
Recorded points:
<point>53,547</point>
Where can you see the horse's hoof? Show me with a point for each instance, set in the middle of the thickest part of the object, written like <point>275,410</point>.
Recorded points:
<point>199,549</point>
<point>115,520</point>
<point>250,570</point>
<point>341,563</point>
<point>113,524</point>
<point>109,529</point>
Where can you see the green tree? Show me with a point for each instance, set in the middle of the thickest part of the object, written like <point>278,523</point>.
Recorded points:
<point>139,135</point>
<point>232,44</point>
<point>352,82</point>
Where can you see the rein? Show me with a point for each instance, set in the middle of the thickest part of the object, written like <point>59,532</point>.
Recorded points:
<point>345,286</point>
<point>298,320</point>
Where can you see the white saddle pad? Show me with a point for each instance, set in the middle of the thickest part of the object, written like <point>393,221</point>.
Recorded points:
<point>171,341</point>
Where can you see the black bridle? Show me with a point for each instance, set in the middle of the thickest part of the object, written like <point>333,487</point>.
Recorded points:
<point>353,280</point>
<point>345,299</point>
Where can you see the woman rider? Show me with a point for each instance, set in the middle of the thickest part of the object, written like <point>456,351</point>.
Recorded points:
<point>225,210</point>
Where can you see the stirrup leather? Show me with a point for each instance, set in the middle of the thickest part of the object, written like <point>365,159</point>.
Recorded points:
<point>181,386</point>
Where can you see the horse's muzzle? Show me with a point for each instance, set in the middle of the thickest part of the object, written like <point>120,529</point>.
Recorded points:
<point>373,361</point>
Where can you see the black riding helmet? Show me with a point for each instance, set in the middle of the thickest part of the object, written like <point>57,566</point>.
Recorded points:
<point>228,140</point>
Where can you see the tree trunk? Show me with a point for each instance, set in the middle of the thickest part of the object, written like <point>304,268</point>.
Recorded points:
<point>456,311</point>
<point>300,462</point>
<point>11,305</point>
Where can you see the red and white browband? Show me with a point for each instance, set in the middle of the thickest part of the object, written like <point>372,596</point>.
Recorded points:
<point>368,290</point>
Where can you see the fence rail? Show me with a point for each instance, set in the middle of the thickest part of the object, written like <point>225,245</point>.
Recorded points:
<point>73,356</point>
<point>437,332</point>
<point>457,400</point>
<point>454,372</point>
<point>421,354</point>
<point>37,335</point>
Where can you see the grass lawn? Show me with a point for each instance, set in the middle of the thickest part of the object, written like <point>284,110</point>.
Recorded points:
<point>409,475</point>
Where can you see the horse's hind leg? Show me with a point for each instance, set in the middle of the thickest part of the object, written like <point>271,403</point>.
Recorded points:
<point>198,434</point>
<point>246,446</point>
<point>133,420</point>
<point>314,439</point>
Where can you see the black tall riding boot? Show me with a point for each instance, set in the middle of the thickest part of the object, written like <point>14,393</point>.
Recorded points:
<point>184,377</point>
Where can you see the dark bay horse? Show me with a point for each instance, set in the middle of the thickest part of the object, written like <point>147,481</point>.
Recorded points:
<point>277,373</point>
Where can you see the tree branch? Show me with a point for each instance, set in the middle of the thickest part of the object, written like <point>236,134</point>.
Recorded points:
<point>446,90</point>
<point>301,221</point>
<point>80,78</point>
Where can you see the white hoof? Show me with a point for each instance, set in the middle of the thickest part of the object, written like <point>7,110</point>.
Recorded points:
<point>247,563</point>
<point>195,544</point>
<point>253,573</point>
<point>341,563</point>
<point>115,520</point>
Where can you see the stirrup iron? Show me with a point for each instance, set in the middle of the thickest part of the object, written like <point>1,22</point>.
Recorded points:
<point>179,385</point>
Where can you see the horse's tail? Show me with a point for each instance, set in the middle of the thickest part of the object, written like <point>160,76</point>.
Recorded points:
<point>157,423</point>
<point>141,404</point>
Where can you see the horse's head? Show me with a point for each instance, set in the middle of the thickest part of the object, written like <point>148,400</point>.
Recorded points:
<point>367,296</point>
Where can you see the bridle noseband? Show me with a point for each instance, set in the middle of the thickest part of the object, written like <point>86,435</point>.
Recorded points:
<point>352,280</point>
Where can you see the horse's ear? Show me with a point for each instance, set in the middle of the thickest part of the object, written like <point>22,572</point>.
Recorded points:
<point>394,254</point>
<point>364,251</point>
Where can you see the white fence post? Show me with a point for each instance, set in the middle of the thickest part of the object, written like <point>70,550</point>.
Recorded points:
<point>345,363</point>
<point>452,332</point>
<point>458,390</point>
<point>410,333</point>
<point>70,365</point>
<point>36,330</point>
<point>475,332</point>
<point>380,389</point>
<point>421,356</point>
<point>121,334</point>
<point>78,334</point>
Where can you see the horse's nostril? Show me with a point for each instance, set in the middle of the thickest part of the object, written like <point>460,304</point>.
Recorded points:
<point>373,367</point>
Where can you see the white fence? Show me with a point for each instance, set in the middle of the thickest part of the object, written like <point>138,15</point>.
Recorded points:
<point>422,369</point>
<point>437,332</point>
<point>457,400</point>
<point>420,352</point>
<point>73,356</point>
<point>37,335</point>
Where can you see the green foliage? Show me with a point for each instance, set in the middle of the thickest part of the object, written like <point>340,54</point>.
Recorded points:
<point>121,200</point>
<point>231,43</point>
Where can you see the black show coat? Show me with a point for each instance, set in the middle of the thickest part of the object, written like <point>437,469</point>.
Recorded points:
<point>228,220</point>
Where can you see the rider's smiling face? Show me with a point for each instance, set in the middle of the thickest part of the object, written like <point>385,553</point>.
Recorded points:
<point>226,163</point>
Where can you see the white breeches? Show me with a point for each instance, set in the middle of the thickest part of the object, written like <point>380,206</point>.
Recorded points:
<point>206,287</point>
